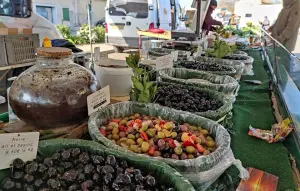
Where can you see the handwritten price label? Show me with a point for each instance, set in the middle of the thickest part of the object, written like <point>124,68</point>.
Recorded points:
<point>164,62</point>
<point>18,145</point>
<point>98,100</point>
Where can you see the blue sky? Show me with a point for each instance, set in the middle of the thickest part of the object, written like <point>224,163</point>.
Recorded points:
<point>186,3</point>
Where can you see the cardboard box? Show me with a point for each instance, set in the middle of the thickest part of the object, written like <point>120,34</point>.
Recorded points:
<point>13,29</point>
<point>26,31</point>
<point>4,30</point>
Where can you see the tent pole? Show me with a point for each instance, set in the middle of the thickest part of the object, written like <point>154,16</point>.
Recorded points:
<point>198,18</point>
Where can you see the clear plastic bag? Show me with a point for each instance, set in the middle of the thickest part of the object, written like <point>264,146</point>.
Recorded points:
<point>240,53</point>
<point>202,171</point>
<point>223,84</point>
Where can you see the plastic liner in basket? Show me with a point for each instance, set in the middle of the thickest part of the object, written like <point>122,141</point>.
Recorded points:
<point>224,84</point>
<point>240,53</point>
<point>245,59</point>
<point>201,171</point>
<point>229,69</point>
<point>237,65</point>
<point>211,114</point>
<point>160,170</point>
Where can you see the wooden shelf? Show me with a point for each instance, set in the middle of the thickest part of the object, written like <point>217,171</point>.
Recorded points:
<point>2,68</point>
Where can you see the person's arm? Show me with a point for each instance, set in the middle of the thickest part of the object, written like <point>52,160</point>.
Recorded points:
<point>291,26</point>
<point>209,20</point>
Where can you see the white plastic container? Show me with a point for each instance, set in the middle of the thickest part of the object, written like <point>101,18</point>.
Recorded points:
<point>117,76</point>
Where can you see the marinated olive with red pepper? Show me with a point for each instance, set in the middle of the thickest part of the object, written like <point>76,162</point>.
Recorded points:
<point>156,137</point>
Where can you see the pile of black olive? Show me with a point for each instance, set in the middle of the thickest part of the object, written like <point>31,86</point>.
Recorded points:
<point>73,170</point>
<point>203,66</point>
<point>185,98</point>
<point>233,57</point>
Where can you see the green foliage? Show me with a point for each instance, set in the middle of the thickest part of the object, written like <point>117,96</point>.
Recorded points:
<point>65,31</point>
<point>230,28</point>
<point>247,31</point>
<point>100,34</point>
<point>220,49</point>
<point>82,36</point>
<point>143,90</point>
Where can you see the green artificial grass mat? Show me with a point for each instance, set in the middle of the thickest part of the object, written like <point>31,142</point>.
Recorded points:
<point>254,107</point>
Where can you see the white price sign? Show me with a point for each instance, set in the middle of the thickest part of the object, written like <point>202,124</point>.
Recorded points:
<point>98,100</point>
<point>175,55</point>
<point>164,62</point>
<point>18,145</point>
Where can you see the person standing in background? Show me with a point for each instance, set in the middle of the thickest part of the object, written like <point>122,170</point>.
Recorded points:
<point>220,16</point>
<point>233,21</point>
<point>286,27</point>
<point>266,23</point>
<point>209,21</point>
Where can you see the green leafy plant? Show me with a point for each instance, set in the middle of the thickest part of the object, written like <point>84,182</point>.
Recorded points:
<point>220,49</point>
<point>247,31</point>
<point>230,28</point>
<point>83,34</point>
<point>220,31</point>
<point>65,31</point>
<point>100,34</point>
<point>143,90</point>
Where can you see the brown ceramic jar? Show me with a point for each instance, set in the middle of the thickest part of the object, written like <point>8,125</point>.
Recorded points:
<point>52,93</point>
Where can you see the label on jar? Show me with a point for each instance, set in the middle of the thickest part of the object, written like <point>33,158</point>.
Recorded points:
<point>18,145</point>
<point>98,100</point>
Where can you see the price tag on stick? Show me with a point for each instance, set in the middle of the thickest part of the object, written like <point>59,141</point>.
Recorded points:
<point>164,62</point>
<point>175,55</point>
<point>98,100</point>
<point>18,145</point>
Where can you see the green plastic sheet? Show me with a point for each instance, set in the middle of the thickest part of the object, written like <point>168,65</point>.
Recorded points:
<point>202,171</point>
<point>160,170</point>
<point>254,107</point>
<point>224,84</point>
<point>211,114</point>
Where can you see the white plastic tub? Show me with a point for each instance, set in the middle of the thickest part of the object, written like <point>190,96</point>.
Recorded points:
<point>116,75</point>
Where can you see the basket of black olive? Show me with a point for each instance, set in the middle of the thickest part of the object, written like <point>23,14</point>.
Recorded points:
<point>203,102</point>
<point>196,147</point>
<point>237,65</point>
<point>224,84</point>
<point>245,59</point>
<point>86,165</point>
<point>211,67</point>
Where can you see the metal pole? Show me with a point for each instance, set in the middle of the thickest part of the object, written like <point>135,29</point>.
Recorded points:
<point>198,18</point>
<point>90,31</point>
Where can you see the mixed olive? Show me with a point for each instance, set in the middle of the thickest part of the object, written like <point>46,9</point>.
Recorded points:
<point>159,138</point>
<point>74,169</point>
